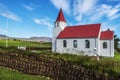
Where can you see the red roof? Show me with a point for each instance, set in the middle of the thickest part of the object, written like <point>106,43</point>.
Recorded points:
<point>107,35</point>
<point>60,16</point>
<point>81,31</point>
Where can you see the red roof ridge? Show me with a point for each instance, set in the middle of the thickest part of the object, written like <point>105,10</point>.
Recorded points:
<point>83,25</point>
<point>60,16</point>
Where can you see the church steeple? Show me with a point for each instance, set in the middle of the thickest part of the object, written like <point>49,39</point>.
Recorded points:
<point>59,26</point>
<point>60,17</point>
<point>60,21</point>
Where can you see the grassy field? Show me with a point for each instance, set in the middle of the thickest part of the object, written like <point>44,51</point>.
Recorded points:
<point>6,74</point>
<point>24,43</point>
<point>110,66</point>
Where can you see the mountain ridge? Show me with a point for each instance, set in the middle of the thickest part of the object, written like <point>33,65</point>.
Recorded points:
<point>34,38</point>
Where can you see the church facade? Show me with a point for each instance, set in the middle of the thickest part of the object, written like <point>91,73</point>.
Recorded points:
<point>82,39</point>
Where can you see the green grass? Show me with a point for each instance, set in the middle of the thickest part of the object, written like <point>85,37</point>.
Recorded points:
<point>6,74</point>
<point>117,56</point>
<point>24,43</point>
<point>110,66</point>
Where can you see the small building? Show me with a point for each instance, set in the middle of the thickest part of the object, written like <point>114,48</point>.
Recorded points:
<point>82,39</point>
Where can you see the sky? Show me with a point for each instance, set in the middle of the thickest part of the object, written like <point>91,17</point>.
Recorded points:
<point>28,18</point>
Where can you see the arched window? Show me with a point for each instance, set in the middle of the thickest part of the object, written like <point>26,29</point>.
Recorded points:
<point>104,44</point>
<point>64,43</point>
<point>87,44</point>
<point>75,43</point>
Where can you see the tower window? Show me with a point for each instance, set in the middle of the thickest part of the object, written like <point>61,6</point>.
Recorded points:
<point>104,44</point>
<point>57,24</point>
<point>75,43</point>
<point>87,44</point>
<point>64,43</point>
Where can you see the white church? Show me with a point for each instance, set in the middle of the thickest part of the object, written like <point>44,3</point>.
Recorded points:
<point>82,39</point>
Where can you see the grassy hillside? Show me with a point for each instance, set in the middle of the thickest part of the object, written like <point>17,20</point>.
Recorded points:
<point>109,66</point>
<point>6,74</point>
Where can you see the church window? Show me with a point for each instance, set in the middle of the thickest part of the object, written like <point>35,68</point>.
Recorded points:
<point>75,43</point>
<point>104,44</point>
<point>87,44</point>
<point>64,43</point>
<point>57,24</point>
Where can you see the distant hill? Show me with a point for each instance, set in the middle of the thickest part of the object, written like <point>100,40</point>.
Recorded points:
<point>3,36</point>
<point>41,39</point>
<point>34,39</point>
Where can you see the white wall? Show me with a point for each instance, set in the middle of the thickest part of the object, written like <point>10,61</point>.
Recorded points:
<point>112,48</point>
<point>60,24</point>
<point>80,50</point>
<point>109,51</point>
<point>58,27</point>
<point>99,42</point>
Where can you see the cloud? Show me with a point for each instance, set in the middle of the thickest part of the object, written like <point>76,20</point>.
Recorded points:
<point>106,11</point>
<point>44,21</point>
<point>11,16</point>
<point>107,25</point>
<point>37,21</point>
<point>89,11</point>
<point>30,6</point>
<point>7,13</point>
<point>64,4</point>
<point>114,17</point>
<point>110,10</point>
<point>81,7</point>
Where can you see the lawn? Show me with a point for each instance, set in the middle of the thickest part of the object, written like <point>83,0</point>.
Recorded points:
<point>7,74</point>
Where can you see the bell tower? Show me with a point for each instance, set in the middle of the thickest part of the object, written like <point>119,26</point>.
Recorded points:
<point>59,25</point>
